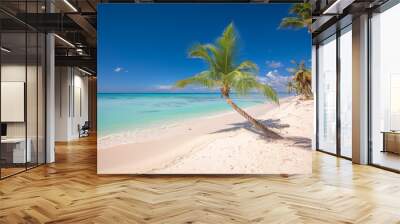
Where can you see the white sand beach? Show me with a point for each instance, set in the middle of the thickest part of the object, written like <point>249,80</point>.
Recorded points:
<point>220,144</point>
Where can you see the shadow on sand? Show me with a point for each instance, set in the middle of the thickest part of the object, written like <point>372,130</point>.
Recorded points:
<point>276,124</point>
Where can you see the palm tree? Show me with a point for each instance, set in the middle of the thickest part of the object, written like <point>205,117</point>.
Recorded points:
<point>223,73</point>
<point>302,17</point>
<point>301,81</point>
<point>291,87</point>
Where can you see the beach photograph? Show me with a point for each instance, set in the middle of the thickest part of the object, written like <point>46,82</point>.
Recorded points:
<point>211,89</point>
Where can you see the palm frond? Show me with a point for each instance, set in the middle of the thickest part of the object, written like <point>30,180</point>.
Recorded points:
<point>223,71</point>
<point>215,54</point>
<point>301,8</point>
<point>245,68</point>
<point>301,79</point>
<point>244,82</point>
<point>268,92</point>
<point>248,66</point>
<point>201,79</point>
<point>302,17</point>
<point>292,22</point>
<point>200,51</point>
<point>308,21</point>
<point>213,49</point>
<point>227,47</point>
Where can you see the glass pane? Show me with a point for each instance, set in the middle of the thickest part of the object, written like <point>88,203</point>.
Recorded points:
<point>31,100</point>
<point>346,92</point>
<point>41,98</point>
<point>327,95</point>
<point>385,84</point>
<point>13,87</point>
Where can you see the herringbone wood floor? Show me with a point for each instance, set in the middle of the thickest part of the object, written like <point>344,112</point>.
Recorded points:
<point>69,191</point>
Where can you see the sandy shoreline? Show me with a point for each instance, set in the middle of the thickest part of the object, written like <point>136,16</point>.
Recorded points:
<point>148,133</point>
<point>220,144</point>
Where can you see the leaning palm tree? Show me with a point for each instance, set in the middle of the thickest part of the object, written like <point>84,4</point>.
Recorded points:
<point>226,75</point>
<point>302,17</point>
<point>301,80</point>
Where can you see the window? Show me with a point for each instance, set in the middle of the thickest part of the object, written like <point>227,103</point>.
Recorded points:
<point>385,88</point>
<point>327,95</point>
<point>346,92</point>
<point>22,77</point>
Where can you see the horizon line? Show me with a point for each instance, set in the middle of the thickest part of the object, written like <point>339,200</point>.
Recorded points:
<point>176,93</point>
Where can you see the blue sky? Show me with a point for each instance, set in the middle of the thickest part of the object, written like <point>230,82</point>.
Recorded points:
<point>143,47</point>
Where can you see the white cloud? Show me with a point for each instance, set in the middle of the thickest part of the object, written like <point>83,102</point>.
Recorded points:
<point>272,74</point>
<point>172,88</point>
<point>290,70</point>
<point>274,64</point>
<point>164,87</point>
<point>118,69</point>
<point>277,81</point>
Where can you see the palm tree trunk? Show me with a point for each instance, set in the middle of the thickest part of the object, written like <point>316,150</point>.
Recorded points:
<point>269,133</point>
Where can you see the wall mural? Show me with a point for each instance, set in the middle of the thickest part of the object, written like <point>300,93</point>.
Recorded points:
<point>203,89</point>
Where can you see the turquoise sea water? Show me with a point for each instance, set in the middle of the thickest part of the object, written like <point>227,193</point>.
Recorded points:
<point>120,112</point>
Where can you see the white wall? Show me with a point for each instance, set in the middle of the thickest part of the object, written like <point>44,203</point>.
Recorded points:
<point>70,84</point>
<point>12,101</point>
<point>80,109</point>
<point>62,82</point>
<point>33,127</point>
<point>14,72</point>
<point>17,73</point>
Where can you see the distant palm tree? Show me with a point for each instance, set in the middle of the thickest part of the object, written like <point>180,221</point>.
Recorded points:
<point>301,80</point>
<point>302,17</point>
<point>225,74</point>
<point>291,87</point>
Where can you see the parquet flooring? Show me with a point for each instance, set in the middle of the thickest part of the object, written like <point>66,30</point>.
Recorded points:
<point>69,191</point>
